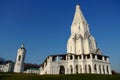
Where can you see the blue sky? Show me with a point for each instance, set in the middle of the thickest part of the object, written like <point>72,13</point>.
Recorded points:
<point>44,27</point>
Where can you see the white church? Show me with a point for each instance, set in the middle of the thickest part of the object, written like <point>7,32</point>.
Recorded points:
<point>82,55</point>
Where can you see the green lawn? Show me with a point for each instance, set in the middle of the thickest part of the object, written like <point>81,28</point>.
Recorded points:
<point>9,76</point>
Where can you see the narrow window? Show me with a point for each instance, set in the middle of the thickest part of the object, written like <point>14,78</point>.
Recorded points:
<point>79,27</point>
<point>95,68</point>
<point>107,70</point>
<point>19,58</point>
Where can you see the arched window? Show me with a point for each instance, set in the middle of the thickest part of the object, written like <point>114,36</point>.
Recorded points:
<point>89,68</point>
<point>103,69</point>
<point>80,69</point>
<point>76,69</point>
<point>71,57</point>
<point>71,69</point>
<point>95,69</point>
<point>107,70</point>
<point>62,70</point>
<point>79,27</point>
<point>85,68</point>
<point>19,58</point>
<point>100,68</point>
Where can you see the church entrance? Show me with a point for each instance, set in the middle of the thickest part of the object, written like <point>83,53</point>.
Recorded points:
<point>62,70</point>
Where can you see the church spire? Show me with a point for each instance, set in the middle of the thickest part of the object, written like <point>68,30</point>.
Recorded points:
<point>79,24</point>
<point>78,17</point>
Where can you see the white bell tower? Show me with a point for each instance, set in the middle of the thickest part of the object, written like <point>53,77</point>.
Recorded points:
<point>19,63</point>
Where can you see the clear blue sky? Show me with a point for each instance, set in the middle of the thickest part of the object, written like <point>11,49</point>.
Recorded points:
<point>44,27</point>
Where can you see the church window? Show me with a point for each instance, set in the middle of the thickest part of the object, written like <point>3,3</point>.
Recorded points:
<point>76,69</point>
<point>93,56</point>
<point>71,69</point>
<point>103,70</point>
<point>89,68</point>
<point>99,57</point>
<point>62,70</point>
<point>79,27</point>
<point>84,56</point>
<point>95,69</point>
<point>105,58</point>
<point>88,56</point>
<point>79,56</point>
<point>71,57</point>
<point>19,58</point>
<point>85,68</point>
<point>107,70</point>
<point>100,69</point>
<point>76,57</point>
<point>80,69</point>
<point>54,58</point>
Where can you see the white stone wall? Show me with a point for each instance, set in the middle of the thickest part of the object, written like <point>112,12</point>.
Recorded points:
<point>32,71</point>
<point>6,67</point>
<point>77,66</point>
<point>2,68</point>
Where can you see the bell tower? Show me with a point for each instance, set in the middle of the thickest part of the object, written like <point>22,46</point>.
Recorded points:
<point>19,63</point>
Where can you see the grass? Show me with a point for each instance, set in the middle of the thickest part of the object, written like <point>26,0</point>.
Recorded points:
<point>9,76</point>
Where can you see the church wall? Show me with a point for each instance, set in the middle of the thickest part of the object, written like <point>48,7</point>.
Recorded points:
<point>55,66</point>
<point>101,67</point>
<point>8,67</point>
<point>45,69</point>
<point>77,66</point>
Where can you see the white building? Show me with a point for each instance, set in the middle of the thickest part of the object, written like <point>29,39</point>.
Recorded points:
<point>82,56</point>
<point>6,67</point>
<point>19,63</point>
<point>33,71</point>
